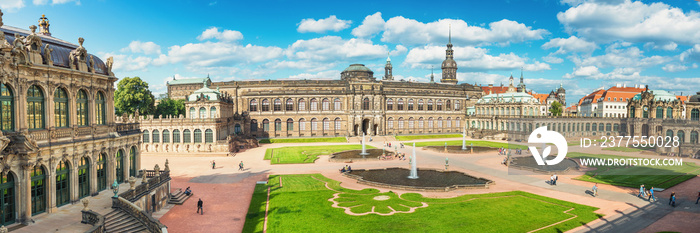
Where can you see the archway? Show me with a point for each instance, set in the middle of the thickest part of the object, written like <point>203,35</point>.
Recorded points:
<point>365,126</point>
<point>355,129</point>
<point>375,129</point>
<point>645,130</point>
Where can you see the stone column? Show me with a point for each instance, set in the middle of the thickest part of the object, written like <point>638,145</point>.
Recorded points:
<point>51,187</point>
<point>26,194</point>
<point>93,174</point>
<point>73,186</point>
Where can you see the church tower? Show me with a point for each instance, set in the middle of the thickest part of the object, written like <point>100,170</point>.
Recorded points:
<point>449,66</point>
<point>521,86</point>
<point>387,70</point>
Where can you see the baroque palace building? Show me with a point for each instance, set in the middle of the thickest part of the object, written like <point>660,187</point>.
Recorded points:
<point>355,104</point>
<point>59,140</point>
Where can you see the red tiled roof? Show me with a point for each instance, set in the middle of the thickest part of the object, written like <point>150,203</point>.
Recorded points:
<point>682,98</point>
<point>494,89</point>
<point>540,97</point>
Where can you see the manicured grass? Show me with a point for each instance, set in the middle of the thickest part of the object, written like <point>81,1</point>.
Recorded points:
<point>623,149</point>
<point>305,154</point>
<point>633,176</point>
<point>573,143</point>
<point>302,140</point>
<point>476,143</point>
<point>302,205</point>
<point>414,137</point>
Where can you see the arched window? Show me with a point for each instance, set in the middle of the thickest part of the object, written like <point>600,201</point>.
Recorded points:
<point>156,136</point>
<point>237,129</point>
<point>290,105</point>
<point>278,105</point>
<point>694,137</point>
<point>176,136</point>
<point>100,108</point>
<point>84,178</point>
<point>594,127</point>
<point>420,105</point>
<point>439,122</point>
<point>119,166</point>
<point>458,122</point>
<point>35,108</point>
<point>448,105</point>
<point>430,122</point>
<point>337,123</point>
<point>401,123</point>
<point>410,123</point>
<point>253,125</point>
<point>632,112</point>
<point>7,198</point>
<point>186,137</point>
<point>314,124</point>
<point>278,124</point>
<point>38,190</point>
<point>212,112</point>
<point>458,105</point>
<point>608,127</point>
<point>7,113</point>
<point>399,105</point>
<point>166,136</point>
<point>101,172</point>
<point>659,112</point>
<point>410,104</point>
<point>681,136</point>
<point>616,127</point>
<point>314,105</point>
<point>365,104</point>
<point>420,123</point>
<point>669,112</point>
<point>62,183</point>
<point>290,124</point>
<point>193,113</point>
<point>132,161</point>
<point>302,105</point>
<point>669,133</point>
<point>253,107</point>
<point>302,124</point>
<point>265,105</point>
<point>146,136</point>
<point>645,112</point>
<point>266,125</point>
<point>448,122</point>
<point>197,136</point>
<point>389,104</point>
<point>430,105</point>
<point>337,106</point>
<point>82,108</point>
<point>209,136</point>
<point>695,115</point>
<point>439,105</point>
<point>60,101</point>
<point>202,113</point>
<point>326,104</point>
<point>390,123</point>
<point>326,124</point>
<point>601,127</point>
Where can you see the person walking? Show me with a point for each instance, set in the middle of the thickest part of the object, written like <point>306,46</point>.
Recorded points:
<point>641,191</point>
<point>555,179</point>
<point>696,201</point>
<point>199,206</point>
<point>240,166</point>
<point>595,189</point>
<point>651,194</point>
<point>672,199</point>
<point>213,164</point>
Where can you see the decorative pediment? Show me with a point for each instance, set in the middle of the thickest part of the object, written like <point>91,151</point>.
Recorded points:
<point>22,144</point>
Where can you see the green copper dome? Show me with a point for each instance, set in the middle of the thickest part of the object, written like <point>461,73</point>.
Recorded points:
<point>659,95</point>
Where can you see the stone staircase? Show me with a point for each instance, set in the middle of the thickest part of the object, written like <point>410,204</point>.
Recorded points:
<point>177,198</point>
<point>120,221</point>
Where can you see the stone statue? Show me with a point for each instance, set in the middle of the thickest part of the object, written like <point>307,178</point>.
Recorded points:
<point>47,55</point>
<point>110,64</point>
<point>86,202</point>
<point>1,18</point>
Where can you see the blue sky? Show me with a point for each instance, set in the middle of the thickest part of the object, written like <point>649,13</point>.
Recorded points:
<point>580,43</point>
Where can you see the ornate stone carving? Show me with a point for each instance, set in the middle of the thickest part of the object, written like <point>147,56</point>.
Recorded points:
<point>86,202</point>
<point>110,63</point>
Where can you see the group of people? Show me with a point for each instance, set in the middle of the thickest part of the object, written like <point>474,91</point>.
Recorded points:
<point>649,194</point>
<point>501,151</point>
<point>345,169</point>
<point>553,179</point>
<point>240,165</point>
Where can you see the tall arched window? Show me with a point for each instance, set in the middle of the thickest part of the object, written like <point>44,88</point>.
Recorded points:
<point>176,136</point>
<point>302,105</point>
<point>38,190</point>
<point>458,105</point>
<point>365,104</point>
<point>290,105</point>
<point>420,105</point>
<point>212,112</point>
<point>390,123</point>
<point>84,178</point>
<point>448,105</point>
<point>197,136</point>
<point>302,124</point>
<point>166,136</point>
<point>202,113</point>
<point>430,122</point>
<point>7,198</point>
<point>401,123</point>
<point>389,104</point>
<point>290,124</point>
<point>430,105</point>
<point>314,124</point>
<point>314,105</point>
<point>695,115</point>
<point>399,104</point>
<point>82,108</point>
<point>439,105</point>
<point>132,161</point>
<point>669,112</point>
<point>337,106</point>
<point>253,107</point>
<point>119,166</point>
<point>278,124</point>
<point>439,122</point>
<point>156,136</point>
<point>186,138</point>
<point>326,104</point>
<point>193,113</point>
<point>681,136</point>
<point>278,105</point>
<point>645,112</point>
<point>237,129</point>
<point>265,105</point>
<point>266,125</point>
<point>209,136</point>
<point>410,104</point>
<point>100,108</point>
<point>60,101</point>
<point>326,124</point>
<point>253,125</point>
<point>62,183</point>
<point>448,122</point>
<point>659,112</point>
<point>337,123</point>
<point>101,172</point>
<point>35,108</point>
<point>7,113</point>
<point>458,122</point>
<point>694,137</point>
<point>146,136</point>
<point>411,123</point>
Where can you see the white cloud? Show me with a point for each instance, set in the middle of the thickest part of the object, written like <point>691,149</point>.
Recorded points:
<point>372,24</point>
<point>54,2</point>
<point>571,44</point>
<point>225,35</point>
<point>332,23</point>
<point>124,62</point>
<point>552,59</point>
<point>619,55</point>
<point>142,47</point>
<point>592,72</point>
<point>11,5</point>
<point>678,67</point>
<point>334,48</point>
<point>40,2</point>
<point>469,58</point>
<point>632,21</point>
<point>412,32</point>
<point>209,54</point>
<point>670,46</point>
<point>478,78</point>
<point>323,75</point>
<point>692,54</point>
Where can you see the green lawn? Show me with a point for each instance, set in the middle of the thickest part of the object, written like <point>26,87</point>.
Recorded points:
<point>302,205</point>
<point>623,149</point>
<point>476,143</point>
<point>633,176</point>
<point>305,154</point>
<point>302,140</point>
<point>414,137</point>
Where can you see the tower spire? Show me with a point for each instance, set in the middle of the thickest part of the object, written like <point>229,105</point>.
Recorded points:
<point>449,37</point>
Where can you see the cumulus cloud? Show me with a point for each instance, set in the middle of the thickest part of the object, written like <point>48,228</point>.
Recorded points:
<point>592,72</point>
<point>670,46</point>
<point>412,32</point>
<point>208,54</point>
<point>123,62</point>
<point>332,23</point>
<point>372,24</point>
<point>692,54</point>
<point>11,5</point>
<point>632,21</point>
<point>323,75</point>
<point>571,44</point>
<point>552,59</point>
<point>334,48</point>
<point>620,55</point>
<point>678,67</point>
<point>470,58</point>
<point>142,47</point>
<point>225,35</point>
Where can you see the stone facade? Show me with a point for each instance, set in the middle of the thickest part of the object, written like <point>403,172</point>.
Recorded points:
<point>59,140</point>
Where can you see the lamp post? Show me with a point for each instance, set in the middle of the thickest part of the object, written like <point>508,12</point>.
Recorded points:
<point>115,188</point>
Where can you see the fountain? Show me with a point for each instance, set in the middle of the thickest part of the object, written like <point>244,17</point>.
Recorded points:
<point>364,151</point>
<point>414,170</point>
<point>464,142</point>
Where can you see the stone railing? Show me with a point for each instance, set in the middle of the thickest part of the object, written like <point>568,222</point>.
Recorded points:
<point>82,131</point>
<point>127,128</point>
<point>39,135</point>
<point>96,220</point>
<point>145,188</point>
<point>152,225</point>
<point>61,133</point>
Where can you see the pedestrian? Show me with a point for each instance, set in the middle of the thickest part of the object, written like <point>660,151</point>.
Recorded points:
<point>696,201</point>
<point>595,189</point>
<point>213,164</point>
<point>551,180</point>
<point>199,206</point>
<point>651,194</point>
<point>641,191</point>
<point>240,166</point>
<point>672,199</point>
<point>555,179</point>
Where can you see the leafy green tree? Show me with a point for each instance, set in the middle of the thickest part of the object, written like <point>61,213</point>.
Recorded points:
<point>133,94</point>
<point>170,107</point>
<point>556,108</point>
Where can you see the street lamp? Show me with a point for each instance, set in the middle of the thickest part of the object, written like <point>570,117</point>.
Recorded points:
<point>115,188</point>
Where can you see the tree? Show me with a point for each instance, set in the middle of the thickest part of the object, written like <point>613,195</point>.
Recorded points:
<point>170,107</point>
<point>556,108</point>
<point>133,94</point>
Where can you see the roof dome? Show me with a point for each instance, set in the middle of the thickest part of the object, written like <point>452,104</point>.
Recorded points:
<point>695,98</point>
<point>449,63</point>
<point>358,67</point>
<point>357,72</point>
<point>659,95</point>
